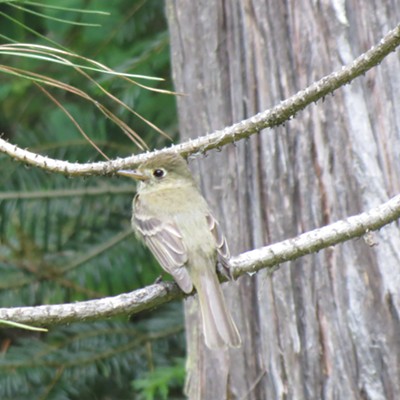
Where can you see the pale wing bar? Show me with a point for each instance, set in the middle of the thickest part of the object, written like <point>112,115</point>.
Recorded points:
<point>165,242</point>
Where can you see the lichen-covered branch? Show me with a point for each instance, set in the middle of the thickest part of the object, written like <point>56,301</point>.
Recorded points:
<point>123,304</point>
<point>249,262</point>
<point>266,119</point>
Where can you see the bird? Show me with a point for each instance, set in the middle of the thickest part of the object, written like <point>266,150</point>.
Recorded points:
<point>170,215</point>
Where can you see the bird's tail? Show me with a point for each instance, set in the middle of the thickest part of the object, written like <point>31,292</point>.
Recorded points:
<point>219,329</point>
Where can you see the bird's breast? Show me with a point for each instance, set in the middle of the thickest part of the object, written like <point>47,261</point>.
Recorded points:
<point>186,210</point>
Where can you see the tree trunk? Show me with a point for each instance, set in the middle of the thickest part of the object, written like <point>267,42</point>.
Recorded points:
<point>327,325</point>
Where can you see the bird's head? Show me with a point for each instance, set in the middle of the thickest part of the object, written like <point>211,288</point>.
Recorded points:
<point>166,169</point>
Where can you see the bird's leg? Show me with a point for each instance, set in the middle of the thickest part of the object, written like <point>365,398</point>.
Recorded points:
<point>224,269</point>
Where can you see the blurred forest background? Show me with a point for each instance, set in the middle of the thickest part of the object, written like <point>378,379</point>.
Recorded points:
<point>65,240</point>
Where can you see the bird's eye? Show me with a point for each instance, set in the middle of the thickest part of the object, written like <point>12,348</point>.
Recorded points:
<point>158,173</point>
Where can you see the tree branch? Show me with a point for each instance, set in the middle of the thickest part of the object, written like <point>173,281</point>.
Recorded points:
<point>270,256</point>
<point>273,117</point>
<point>249,262</point>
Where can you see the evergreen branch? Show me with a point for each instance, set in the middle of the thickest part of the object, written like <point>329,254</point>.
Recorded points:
<point>97,250</point>
<point>45,272</point>
<point>244,129</point>
<point>139,339</point>
<point>65,193</point>
<point>249,262</point>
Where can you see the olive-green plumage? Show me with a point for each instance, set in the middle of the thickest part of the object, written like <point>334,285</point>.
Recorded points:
<point>173,219</point>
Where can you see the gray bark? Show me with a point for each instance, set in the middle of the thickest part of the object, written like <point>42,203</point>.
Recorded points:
<point>325,326</point>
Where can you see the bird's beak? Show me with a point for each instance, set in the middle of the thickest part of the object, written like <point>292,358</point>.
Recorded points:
<point>134,174</point>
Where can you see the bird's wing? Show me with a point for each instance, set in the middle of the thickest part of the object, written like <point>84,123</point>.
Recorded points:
<point>165,242</point>
<point>222,246</point>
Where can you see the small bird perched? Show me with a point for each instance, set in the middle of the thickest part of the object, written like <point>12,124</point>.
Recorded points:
<point>173,219</point>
